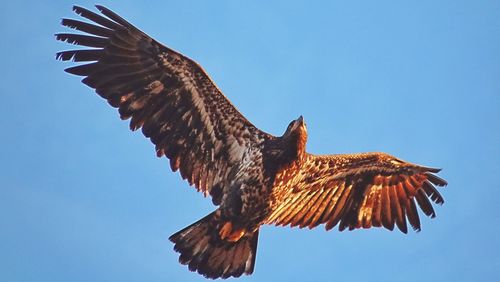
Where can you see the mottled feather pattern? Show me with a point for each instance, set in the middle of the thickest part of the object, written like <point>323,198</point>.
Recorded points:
<point>255,178</point>
<point>355,191</point>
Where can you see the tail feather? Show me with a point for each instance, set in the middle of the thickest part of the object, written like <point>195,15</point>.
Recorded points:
<point>201,248</point>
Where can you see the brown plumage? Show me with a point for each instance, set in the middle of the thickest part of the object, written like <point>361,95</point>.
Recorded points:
<point>255,178</point>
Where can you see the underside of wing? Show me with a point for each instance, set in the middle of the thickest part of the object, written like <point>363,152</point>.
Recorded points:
<point>357,191</point>
<point>170,96</point>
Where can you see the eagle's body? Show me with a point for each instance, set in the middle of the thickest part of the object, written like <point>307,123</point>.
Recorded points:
<point>253,177</point>
<point>252,184</point>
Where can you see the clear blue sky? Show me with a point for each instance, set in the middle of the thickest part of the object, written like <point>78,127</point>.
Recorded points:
<point>84,199</point>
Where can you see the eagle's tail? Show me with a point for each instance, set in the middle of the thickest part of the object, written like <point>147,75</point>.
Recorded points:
<point>203,250</point>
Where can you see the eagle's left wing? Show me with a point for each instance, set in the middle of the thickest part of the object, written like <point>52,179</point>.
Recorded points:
<point>355,191</point>
<point>166,94</point>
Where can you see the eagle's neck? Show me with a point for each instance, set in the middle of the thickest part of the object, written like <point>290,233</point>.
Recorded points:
<point>284,152</point>
<point>295,145</point>
<point>300,144</point>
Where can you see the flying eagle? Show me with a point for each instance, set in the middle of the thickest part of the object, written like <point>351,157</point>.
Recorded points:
<point>253,177</point>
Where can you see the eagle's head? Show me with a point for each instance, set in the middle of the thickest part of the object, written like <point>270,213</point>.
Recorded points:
<point>296,132</point>
<point>297,126</point>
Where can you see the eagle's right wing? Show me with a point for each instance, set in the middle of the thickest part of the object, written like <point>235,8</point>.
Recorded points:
<point>167,94</point>
<point>355,191</point>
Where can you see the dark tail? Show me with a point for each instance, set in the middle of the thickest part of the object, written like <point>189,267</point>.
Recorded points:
<point>202,250</point>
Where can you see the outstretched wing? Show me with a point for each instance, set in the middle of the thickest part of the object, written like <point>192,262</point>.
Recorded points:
<point>355,191</point>
<point>167,94</point>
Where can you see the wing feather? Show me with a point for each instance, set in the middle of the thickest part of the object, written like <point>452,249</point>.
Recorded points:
<point>424,203</point>
<point>301,200</point>
<point>387,217</point>
<point>338,207</point>
<point>432,192</point>
<point>87,28</point>
<point>366,211</point>
<point>316,220</point>
<point>314,209</point>
<point>337,191</point>
<point>356,191</point>
<point>170,96</point>
<point>310,202</point>
<point>377,206</point>
<point>413,215</point>
<point>397,210</point>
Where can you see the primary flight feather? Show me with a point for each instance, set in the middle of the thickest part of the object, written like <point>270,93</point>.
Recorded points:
<point>253,177</point>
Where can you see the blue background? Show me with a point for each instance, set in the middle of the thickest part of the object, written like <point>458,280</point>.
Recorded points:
<point>84,199</point>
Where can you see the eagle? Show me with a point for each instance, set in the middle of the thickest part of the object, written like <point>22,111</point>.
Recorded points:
<point>254,178</point>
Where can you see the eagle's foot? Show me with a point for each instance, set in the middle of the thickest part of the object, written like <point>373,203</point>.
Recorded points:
<point>227,233</point>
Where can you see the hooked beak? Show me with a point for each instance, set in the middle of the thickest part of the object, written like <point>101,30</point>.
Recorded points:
<point>299,123</point>
<point>300,120</point>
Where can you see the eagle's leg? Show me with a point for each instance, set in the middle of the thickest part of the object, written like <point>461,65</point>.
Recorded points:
<point>227,232</point>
